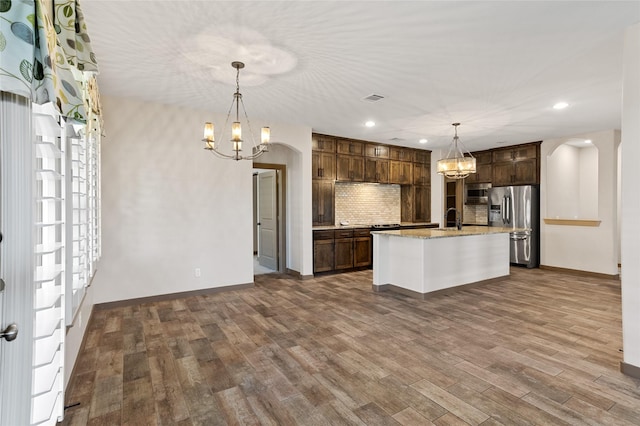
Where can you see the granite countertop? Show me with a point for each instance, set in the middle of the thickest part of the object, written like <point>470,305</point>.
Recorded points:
<point>364,225</point>
<point>448,232</point>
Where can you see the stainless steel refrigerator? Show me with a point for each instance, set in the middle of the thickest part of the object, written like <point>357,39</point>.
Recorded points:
<point>518,207</point>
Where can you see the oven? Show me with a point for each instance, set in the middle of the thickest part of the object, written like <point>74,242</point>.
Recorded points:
<point>476,193</point>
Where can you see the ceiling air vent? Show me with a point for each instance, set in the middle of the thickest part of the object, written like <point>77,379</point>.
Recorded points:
<point>373,98</point>
<point>396,139</point>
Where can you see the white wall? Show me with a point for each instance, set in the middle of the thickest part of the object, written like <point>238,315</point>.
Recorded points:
<point>437,189</point>
<point>283,154</point>
<point>563,196</point>
<point>588,182</point>
<point>168,206</point>
<point>592,249</point>
<point>630,199</point>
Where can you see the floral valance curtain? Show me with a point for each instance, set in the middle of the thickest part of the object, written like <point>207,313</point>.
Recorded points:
<point>45,55</point>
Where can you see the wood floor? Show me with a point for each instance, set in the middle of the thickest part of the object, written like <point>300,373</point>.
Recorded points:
<point>538,348</point>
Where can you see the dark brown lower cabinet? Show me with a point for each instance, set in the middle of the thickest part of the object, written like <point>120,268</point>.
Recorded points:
<point>362,252</point>
<point>341,250</point>
<point>344,253</point>
<point>323,251</point>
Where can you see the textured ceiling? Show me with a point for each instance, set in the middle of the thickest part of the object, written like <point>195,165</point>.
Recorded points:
<point>496,67</point>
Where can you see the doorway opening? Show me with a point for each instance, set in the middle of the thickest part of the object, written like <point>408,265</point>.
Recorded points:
<point>269,218</point>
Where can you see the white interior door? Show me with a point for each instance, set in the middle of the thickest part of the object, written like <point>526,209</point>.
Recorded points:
<point>16,258</point>
<point>267,220</point>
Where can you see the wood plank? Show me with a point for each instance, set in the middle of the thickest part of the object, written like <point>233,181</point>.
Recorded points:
<point>330,351</point>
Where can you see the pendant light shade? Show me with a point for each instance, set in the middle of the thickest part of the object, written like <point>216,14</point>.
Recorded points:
<point>457,164</point>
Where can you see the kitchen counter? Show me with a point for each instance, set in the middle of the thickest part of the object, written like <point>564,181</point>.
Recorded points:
<point>423,261</point>
<point>356,226</point>
<point>428,233</point>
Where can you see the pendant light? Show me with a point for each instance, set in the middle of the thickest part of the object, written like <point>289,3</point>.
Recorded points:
<point>457,164</point>
<point>236,129</point>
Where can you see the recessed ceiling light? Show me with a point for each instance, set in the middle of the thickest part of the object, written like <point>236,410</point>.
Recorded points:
<point>423,141</point>
<point>560,105</point>
<point>370,123</point>
<point>587,141</point>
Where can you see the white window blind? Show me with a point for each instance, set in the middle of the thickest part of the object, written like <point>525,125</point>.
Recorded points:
<point>47,404</point>
<point>77,220</point>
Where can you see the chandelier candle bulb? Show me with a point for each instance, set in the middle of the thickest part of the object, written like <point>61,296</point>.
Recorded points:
<point>265,135</point>
<point>236,132</point>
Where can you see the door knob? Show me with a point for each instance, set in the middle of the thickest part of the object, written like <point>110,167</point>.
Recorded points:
<point>10,333</point>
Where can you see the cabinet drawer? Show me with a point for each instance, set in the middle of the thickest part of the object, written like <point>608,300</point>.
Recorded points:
<point>323,235</point>
<point>345,233</point>
<point>362,232</point>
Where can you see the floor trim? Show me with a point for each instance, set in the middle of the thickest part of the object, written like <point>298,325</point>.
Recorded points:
<point>170,296</point>
<point>630,370</point>
<point>444,291</point>
<point>298,275</point>
<point>579,272</point>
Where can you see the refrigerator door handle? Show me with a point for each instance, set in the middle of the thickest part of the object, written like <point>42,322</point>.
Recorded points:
<point>508,209</point>
<point>502,209</point>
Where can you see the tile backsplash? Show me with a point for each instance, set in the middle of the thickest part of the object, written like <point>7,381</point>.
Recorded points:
<point>367,203</point>
<point>476,214</point>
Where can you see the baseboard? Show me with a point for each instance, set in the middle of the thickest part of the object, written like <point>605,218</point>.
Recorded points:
<point>170,296</point>
<point>630,370</point>
<point>579,272</point>
<point>298,275</point>
<point>444,291</point>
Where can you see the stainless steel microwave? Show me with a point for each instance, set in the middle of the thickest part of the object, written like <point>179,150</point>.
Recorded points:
<point>476,193</point>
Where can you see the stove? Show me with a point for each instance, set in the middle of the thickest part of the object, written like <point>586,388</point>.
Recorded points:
<point>385,226</point>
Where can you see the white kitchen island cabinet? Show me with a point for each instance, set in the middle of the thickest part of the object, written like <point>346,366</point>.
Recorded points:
<point>418,262</point>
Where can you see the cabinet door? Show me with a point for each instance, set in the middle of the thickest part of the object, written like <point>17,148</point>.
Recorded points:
<point>349,168</point>
<point>482,157</point>
<point>525,172</point>
<point>343,253</point>
<point>502,174</point>
<point>343,167</point>
<point>323,255</point>
<point>382,170</point>
<point>395,171</point>
<point>376,171</point>
<point>357,169</point>
<point>323,143</point>
<point>422,204</point>
<point>421,174</point>
<point>401,154</point>
<point>377,151</point>
<point>483,174</point>
<point>362,251</point>
<point>502,155</point>
<point>524,152</point>
<point>400,172</point>
<point>350,147</point>
<point>322,194</point>
<point>323,165</point>
<point>422,156</point>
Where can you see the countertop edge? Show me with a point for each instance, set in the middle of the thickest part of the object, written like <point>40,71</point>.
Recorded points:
<point>433,233</point>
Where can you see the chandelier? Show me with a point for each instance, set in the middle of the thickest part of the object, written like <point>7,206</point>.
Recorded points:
<point>456,164</point>
<point>236,129</point>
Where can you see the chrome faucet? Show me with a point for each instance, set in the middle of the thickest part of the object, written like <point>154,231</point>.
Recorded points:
<point>458,219</point>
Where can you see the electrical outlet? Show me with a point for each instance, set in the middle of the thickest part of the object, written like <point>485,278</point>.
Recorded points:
<point>197,272</point>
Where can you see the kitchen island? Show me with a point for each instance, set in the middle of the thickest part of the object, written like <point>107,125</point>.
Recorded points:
<point>419,262</point>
